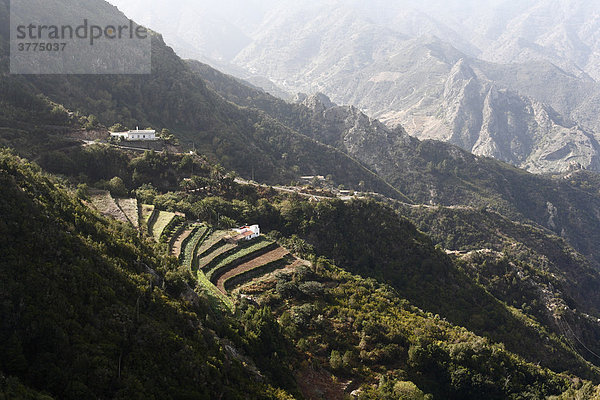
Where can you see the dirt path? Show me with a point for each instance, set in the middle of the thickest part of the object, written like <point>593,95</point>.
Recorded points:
<point>296,190</point>
<point>266,258</point>
<point>176,250</point>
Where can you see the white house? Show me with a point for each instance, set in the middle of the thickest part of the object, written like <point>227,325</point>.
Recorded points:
<point>245,233</point>
<point>137,134</point>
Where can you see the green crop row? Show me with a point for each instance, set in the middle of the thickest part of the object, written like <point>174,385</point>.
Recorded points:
<point>232,260</point>
<point>191,244</point>
<point>256,272</point>
<point>216,252</point>
<point>157,226</point>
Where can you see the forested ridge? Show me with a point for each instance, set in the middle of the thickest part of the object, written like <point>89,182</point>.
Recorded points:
<point>94,310</point>
<point>90,310</point>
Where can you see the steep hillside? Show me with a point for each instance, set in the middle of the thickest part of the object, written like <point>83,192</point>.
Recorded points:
<point>93,311</point>
<point>398,254</point>
<point>343,334</point>
<point>430,88</point>
<point>87,311</point>
<point>525,266</point>
<point>173,97</point>
<point>474,230</point>
<point>381,246</point>
<point>431,172</point>
<point>392,251</point>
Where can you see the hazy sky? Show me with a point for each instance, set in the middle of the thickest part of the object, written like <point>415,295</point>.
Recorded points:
<point>226,21</point>
<point>495,30</point>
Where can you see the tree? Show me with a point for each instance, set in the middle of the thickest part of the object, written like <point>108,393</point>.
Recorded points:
<point>168,137</point>
<point>118,127</point>
<point>408,391</point>
<point>91,122</point>
<point>335,360</point>
<point>117,187</point>
<point>217,171</point>
<point>348,359</point>
<point>146,193</point>
<point>226,222</point>
<point>83,191</point>
<point>311,289</point>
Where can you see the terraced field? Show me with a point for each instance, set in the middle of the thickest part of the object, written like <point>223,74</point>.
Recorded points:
<point>227,265</point>
<point>158,223</point>
<point>213,240</point>
<point>173,229</point>
<point>178,240</point>
<point>237,255</point>
<point>130,209</point>
<point>243,271</point>
<point>191,243</point>
<point>221,266</point>
<point>146,213</point>
<point>106,205</point>
<point>198,236</point>
<point>216,251</point>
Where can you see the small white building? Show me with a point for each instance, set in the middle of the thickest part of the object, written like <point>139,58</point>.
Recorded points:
<point>311,178</point>
<point>245,233</point>
<point>136,134</point>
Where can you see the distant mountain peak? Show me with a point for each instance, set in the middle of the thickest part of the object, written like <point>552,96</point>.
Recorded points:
<point>462,69</point>
<point>318,102</point>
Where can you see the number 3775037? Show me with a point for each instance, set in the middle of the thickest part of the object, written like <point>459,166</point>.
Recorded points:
<point>34,46</point>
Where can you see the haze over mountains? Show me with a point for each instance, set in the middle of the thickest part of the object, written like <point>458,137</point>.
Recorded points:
<point>514,81</point>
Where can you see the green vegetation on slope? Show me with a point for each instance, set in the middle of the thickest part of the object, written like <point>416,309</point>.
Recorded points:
<point>526,267</point>
<point>84,315</point>
<point>156,227</point>
<point>173,97</point>
<point>431,172</point>
<point>363,332</point>
<point>438,357</point>
<point>401,256</point>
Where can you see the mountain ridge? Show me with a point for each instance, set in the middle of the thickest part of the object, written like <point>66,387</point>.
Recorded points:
<point>363,58</point>
<point>245,140</point>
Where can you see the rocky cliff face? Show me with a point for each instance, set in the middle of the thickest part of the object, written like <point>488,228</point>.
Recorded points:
<point>536,115</point>
<point>490,121</point>
<point>512,81</point>
<point>363,138</point>
<point>452,100</point>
